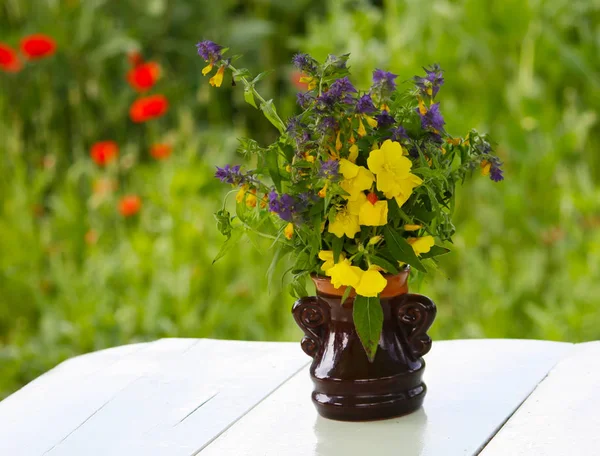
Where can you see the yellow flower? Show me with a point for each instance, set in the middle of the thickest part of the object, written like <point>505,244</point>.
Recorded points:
<point>344,274</point>
<point>217,79</point>
<point>354,206</point>
<point>356,178</point>
<point>485,168</point>
<point>345,223</point>
<point>207,69</point>
<point>312,82</point>
<point>361,128</point>
<point>371,121</point>
<point>327,257</point>
<point>309,158</point>
<point>412,227</point>
<point>338,142</point>
<point>289,230</point>
<point>373,214</point>
<point>239,197</point>
<point>323,192</point>
<point>251,198</point>
<point>392,169</point>
<point>375,239</point>
<point>353,153</point>
<point>422,107</point>
<point>371,283</point>
<point>422,244</point>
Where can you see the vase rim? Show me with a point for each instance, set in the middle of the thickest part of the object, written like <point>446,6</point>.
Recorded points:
<point>397,284</point>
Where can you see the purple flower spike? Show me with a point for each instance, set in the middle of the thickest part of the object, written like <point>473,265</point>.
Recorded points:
<point>282,205</point>
<point>399,133</point>
<point>230,174</point>
<point>304,63</point>
<point>384,119</point>
<point>209,51</point>
<point>365,105</point>
<point>431,83</point>
<point>384,80</point>
<point>329,169</point>
<point>432,118</point>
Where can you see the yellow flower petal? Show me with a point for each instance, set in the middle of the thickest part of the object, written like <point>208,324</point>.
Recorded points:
<point>207,69</point>
<point>353,153</point>
<point>485,168</point>
<point>338,142</point>
<point>371,283</point>
<point>373,214</point>
<point>289,230</point>
<point>355,204</point>
<point>422,244</point>
<point>361,128</point>
<point>412,227</point>
<point>217,79</point>
<point>371,121</point>
<point>422,107</point>
<point>323,192</point>
<point>239,197</point>
<point>327,257</point>
<point>344,274</point>
<point>356,179</point>
<point>345,223</point>
<point>251,200</point>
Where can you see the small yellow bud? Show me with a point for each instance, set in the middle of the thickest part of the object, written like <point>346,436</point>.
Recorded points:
<point>412,227</point>
<point>289,230</point>
<point>485,168</point>
<point>323,192</point>
<point>375,239</point>
<point>338,142</point>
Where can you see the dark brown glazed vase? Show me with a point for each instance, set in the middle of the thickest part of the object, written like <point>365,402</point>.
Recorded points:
<point>347,386</point>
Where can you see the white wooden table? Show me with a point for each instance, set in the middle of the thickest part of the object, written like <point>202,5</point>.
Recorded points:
<point>183,397</point>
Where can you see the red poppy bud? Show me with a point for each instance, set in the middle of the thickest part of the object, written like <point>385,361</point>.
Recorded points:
<point>130,205</point>
<point>38,46</point>
<point>9,60</point>
<point>104,152</point>
<point>148,108</point>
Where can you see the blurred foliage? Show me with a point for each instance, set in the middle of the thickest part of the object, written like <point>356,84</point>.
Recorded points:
<point>526,260</point>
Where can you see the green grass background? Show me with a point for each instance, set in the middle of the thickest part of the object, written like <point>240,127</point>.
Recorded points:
<point>526,262</point>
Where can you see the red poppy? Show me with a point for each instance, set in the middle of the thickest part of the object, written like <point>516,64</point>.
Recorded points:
<point>104,152</point>
<point>38,46</point>
<point>295,77</point>
<point>9,60</point>
<point>130,205</point>
<point>161,151</point>
<point>148,108</point>
<point>144,76</point>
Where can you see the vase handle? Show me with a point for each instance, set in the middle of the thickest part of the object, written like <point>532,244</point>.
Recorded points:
<point>312,315</point>
<point>415,314</point>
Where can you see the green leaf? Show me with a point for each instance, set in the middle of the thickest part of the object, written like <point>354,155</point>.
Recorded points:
<point>271,159</point>
<point>368,320</point>
<point>268,109</point>
<point>347,292</point>
<point>385,264</point>
<point>337,244</point>
<point>401,250</point>
<point>435,251</point>
<point>298,286</point>
<point>280,253</point>
<point>223,218</point>
<point>249,96</point>
<point>242,73</point>
<point>260,76</point>
<point>228,245</point>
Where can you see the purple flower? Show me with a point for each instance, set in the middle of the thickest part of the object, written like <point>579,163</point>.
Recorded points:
<point>329,169</point>
<point>230,174</point>
<point>384,80</point>
<point>305,200</point>
<point>340,90</point>
<point>298,131</point>
<point>304,99</point>
<point>496,174</point>
<point>282,205</point>
<point>327,124</point>
<point>365,105</point>
<point>209,51</point>
<point>304,63</point>
<point>431,83</point>
<point>432,118</point>
<point>384,119</point>
<point>399,133</point>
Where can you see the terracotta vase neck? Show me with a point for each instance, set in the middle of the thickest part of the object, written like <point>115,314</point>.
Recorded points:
<point>397,284</point>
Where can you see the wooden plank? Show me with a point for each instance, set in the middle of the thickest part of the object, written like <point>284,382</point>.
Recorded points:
<point>474,386</point>
<point>561,416</point>
<point>171,397</point>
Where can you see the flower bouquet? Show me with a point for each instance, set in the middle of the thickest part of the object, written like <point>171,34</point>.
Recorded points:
<point>358,188</point>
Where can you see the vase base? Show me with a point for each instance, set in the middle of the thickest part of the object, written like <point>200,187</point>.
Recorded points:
<point>369,408</point>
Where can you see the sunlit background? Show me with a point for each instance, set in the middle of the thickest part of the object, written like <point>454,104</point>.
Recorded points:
<point>82,269</point>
